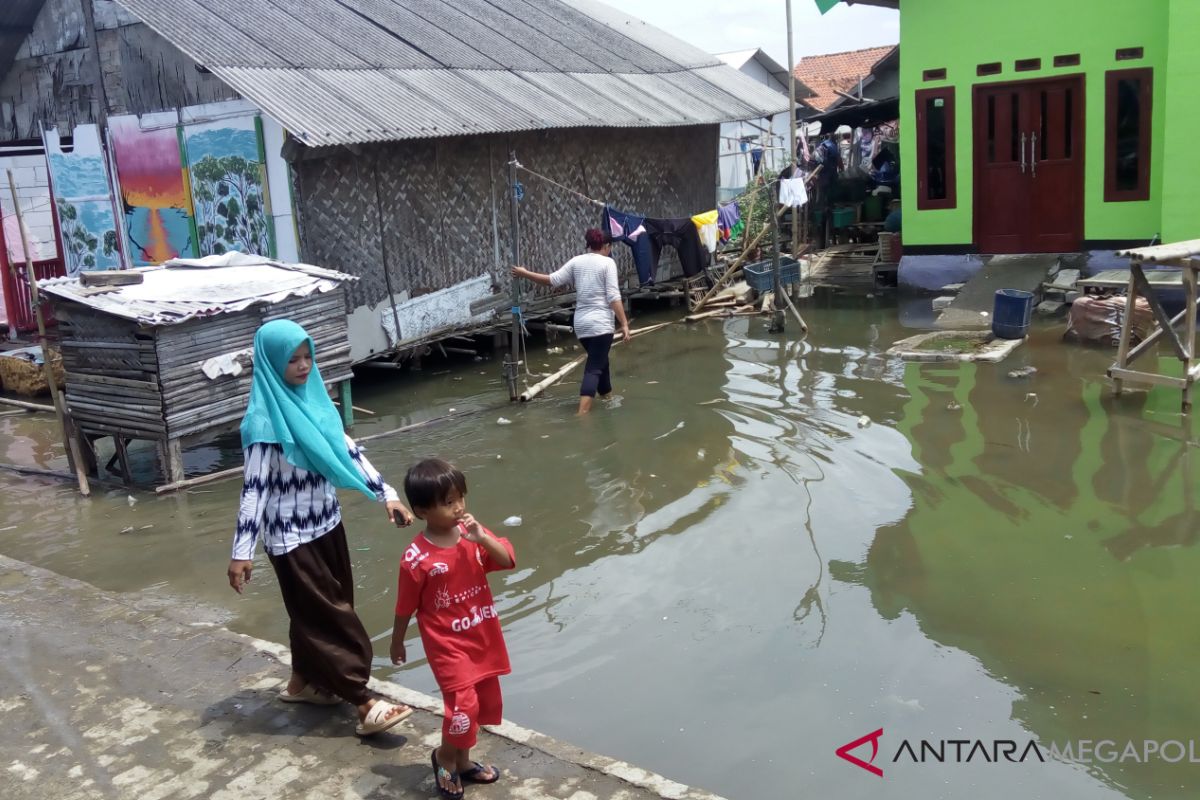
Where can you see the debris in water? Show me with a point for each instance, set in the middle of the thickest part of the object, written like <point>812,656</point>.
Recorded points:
<point>1023,372</point>
<point>555,351</point>
<point>1031,396</point>
<point>132,500</point>
<point>668,433</point>
<point>545,436</point>
<point>453,410</point>
<point>651,383</point>
<point>362,549</point>
<point>498,456</point>
<point>864,421</point>
<point>513,522</point>
<point>700,454</point>
<point>127,530</point>
<point>983,313</point>
<point>952,406</point>
<point>504,421</point>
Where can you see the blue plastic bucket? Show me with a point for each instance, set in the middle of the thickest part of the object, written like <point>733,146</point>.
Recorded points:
<point>1011,313</point>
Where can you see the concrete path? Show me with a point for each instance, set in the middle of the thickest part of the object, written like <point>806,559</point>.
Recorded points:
<point>128,696</point>
<point>1025,272</point>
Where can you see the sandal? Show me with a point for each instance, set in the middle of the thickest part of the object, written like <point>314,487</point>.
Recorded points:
<point>472,775</point>
<point>310,696</point>
<point>381,716</point>
<point>440,774</point>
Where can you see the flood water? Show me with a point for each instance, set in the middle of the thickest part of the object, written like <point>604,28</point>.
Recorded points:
<point>724,576</point>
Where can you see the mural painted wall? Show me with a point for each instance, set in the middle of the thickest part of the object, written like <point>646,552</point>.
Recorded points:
<point>83,200</point>
<point>225,162</point>
<point>154,195</point>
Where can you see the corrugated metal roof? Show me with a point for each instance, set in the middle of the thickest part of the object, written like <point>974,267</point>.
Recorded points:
<point>346,71</point>
<point>185,289</point>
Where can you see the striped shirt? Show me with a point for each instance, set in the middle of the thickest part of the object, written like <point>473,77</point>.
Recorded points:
<point>595,280</point>
<point>287,506</point>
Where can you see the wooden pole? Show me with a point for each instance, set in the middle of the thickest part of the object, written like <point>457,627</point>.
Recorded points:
<point>26,406</point>
<point>541,386</point>
<point>792,125</point>
<point>70,441</point>
<point>511,364</point>
<point>777,318</point>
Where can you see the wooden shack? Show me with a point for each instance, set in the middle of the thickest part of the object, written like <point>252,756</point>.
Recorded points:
<point>168,359</point>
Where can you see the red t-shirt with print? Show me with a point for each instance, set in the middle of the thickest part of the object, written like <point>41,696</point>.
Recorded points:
<point>447,588</point>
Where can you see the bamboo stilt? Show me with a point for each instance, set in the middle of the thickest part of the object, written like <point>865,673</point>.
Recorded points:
<point>72,445</point>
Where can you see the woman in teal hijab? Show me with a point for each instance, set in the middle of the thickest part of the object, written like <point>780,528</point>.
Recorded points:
<point>296,456</point>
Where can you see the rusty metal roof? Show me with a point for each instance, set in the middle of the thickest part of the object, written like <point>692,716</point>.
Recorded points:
<point>351,71</point>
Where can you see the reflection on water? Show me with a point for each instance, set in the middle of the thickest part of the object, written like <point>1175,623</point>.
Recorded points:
<point>730,573</point>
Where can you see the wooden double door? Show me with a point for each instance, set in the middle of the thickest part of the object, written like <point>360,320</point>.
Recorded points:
<point>1028,143</point>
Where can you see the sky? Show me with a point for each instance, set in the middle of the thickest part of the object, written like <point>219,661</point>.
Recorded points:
<point>719,26</point>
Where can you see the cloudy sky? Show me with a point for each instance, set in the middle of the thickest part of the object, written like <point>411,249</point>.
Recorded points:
<point>722,25</point>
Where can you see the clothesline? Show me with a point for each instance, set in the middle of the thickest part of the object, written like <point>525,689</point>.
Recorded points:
<point>580,195</point>
<point>602,204</point>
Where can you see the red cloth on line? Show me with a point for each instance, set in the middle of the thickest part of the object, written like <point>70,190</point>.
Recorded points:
<point>447,588</point>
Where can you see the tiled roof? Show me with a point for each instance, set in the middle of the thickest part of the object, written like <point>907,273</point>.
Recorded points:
<point>837,71</point>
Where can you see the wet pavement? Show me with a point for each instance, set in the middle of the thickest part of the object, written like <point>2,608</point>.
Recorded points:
<point>117,696</point>
<point>729,573</point>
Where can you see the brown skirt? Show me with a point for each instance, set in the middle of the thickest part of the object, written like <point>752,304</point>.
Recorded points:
<point>330,646</point>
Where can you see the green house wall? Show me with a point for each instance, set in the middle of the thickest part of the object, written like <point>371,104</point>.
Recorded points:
<point>1181,179</point>
<point>958,36</point>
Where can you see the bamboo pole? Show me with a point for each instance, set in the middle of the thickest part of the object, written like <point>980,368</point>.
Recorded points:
<point>545,383</point>
<point>512,364</point>
<point>27,406</point>
<point>220,475</point>
<point>72,445</point>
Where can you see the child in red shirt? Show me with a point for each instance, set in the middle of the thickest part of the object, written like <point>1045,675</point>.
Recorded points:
<point>443,579</point>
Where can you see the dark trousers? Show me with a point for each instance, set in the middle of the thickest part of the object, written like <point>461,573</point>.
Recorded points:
<point>330,646</point>
<point>596,377</point>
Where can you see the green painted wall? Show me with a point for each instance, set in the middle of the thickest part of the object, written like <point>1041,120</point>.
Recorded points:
<point>960,35</point>
<point>1181,181</point>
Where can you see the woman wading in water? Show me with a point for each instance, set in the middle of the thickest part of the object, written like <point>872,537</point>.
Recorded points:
<point>296,454</point>
<point>597,302</point>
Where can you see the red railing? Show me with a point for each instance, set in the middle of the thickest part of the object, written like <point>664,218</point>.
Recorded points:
<point>17,303</point>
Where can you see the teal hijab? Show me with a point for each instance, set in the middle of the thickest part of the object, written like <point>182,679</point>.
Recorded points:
<point>300,419</point>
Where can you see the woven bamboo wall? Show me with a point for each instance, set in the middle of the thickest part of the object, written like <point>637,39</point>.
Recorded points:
<point>426,208</point>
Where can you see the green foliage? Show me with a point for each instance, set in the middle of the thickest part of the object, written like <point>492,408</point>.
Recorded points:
<point>755,207</point>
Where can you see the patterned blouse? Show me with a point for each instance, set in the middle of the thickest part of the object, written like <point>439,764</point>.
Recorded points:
<point>287,506</point>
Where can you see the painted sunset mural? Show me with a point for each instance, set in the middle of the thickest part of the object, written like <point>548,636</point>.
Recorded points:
<point>157,208</point>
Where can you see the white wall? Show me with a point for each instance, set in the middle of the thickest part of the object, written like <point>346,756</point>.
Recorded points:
<point>733,164</point>
<point>33,193</point>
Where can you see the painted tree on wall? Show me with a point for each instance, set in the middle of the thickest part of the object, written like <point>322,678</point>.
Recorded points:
<point>229,205</point>
<point>81,244</point>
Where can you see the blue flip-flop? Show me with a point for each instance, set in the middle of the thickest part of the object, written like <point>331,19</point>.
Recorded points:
<point>470,775</point>
<point>438,777</point>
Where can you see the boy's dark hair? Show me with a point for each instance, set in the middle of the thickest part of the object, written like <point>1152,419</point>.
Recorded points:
<point>429,482</point>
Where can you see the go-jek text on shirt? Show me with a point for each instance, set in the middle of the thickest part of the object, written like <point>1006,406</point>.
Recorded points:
<point>447,588</point>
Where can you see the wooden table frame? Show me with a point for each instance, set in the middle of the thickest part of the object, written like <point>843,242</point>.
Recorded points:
<point>1186,256</point>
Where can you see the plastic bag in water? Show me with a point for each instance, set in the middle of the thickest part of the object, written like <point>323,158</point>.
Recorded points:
<point>513,522</point>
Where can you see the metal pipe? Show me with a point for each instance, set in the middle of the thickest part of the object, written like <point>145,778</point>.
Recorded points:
<point>792,125</point>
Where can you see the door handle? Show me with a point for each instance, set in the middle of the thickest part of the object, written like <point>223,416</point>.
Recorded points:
<point>1033,153</point>
<point>1022,152</point>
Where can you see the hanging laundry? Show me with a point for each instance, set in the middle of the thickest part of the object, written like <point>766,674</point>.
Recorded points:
<point>728,217</point>
<point>706,226</point>
<point>683,236</point>
<point>756,158</point>
<point>628,228</point>
<point>792,192</point>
